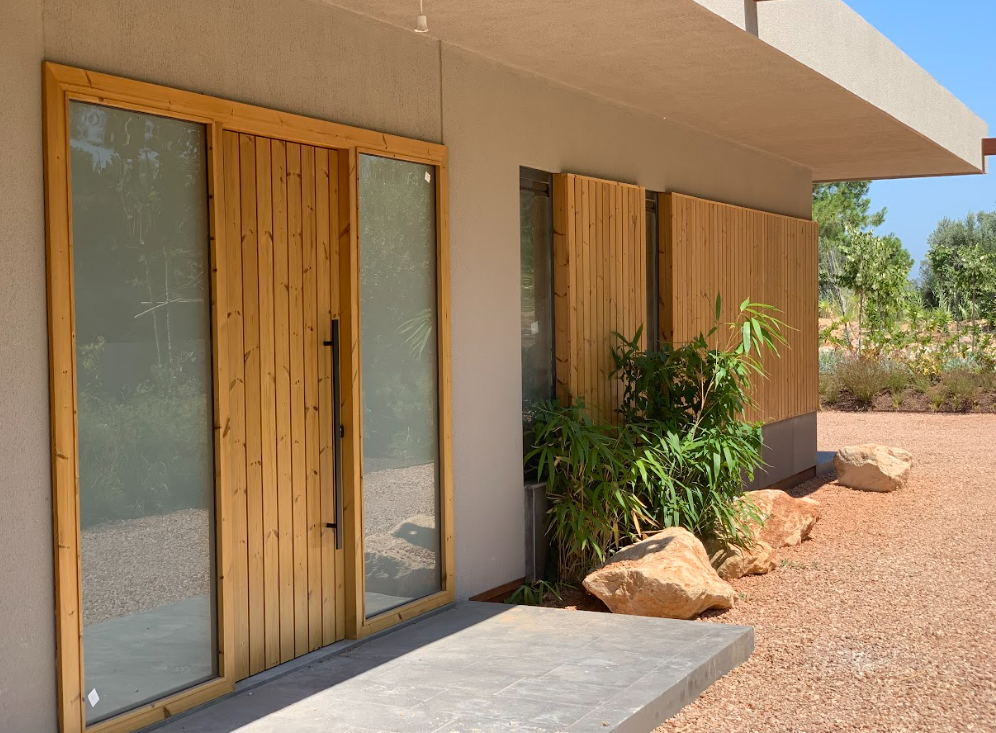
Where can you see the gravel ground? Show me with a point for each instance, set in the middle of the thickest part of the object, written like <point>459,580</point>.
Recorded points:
<point>138,564</point>
<point>395,495</point>
<point>883,621</point>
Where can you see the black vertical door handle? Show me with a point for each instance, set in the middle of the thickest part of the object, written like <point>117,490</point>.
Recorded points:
<point>338,431</point>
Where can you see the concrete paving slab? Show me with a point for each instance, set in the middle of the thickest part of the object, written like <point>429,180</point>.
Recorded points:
<point>490,668</point>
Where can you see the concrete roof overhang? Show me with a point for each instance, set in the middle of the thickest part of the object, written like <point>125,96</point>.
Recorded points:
<point>808,81</point>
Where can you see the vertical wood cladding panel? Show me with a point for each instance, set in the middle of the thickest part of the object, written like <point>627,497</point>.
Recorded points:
<point>600,284</point>
<point>282,210</point>
<point>708,248</point>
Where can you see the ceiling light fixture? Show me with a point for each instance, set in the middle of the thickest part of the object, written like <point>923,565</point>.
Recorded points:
<point>421,23</point>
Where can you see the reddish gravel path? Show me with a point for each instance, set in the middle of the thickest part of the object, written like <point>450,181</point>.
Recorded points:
<point>885,620</point>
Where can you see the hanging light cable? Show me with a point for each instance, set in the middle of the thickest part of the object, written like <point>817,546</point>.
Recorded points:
<point>421,23</point>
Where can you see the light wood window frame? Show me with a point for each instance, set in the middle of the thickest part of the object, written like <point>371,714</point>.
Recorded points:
<point>62,84</point>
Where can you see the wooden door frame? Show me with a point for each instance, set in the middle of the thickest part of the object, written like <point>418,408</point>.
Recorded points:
<point>61,84</point>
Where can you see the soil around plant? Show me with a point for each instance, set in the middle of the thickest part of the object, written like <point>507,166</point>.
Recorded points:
<point>910,401</point>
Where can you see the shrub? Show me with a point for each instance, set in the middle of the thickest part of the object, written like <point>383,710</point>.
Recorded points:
<point>678,458</point>
<point>864,379</point>
<point>829,389</point>
<point>897,378</point>
<point>589,474</point>
<point>692,398</point>
<point>937,396</point>
<point>830,361</point>
<point>920,383</point>
<point>962,387</point>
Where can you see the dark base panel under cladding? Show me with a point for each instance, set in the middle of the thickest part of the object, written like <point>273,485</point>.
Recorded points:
<point>789,451</point>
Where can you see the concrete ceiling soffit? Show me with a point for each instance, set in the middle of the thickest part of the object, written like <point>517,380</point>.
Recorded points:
<point>696,62</point>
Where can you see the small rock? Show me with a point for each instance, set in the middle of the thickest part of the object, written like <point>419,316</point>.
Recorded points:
<point>787,521</point>
<point>667,576</point>
<point>873,467</point>
<point>732,562</point>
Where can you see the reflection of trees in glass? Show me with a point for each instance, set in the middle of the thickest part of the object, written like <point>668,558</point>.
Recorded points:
<point>417,331</point>
<point>527,261</point>
<point>398,309</point>
<point>536,284</point>
<point>140,268</point>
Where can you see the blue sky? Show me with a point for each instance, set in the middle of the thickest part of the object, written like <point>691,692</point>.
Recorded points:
<point>951,39</point>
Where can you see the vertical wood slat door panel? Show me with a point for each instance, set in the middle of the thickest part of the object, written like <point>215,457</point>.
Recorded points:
<point>325,452</point>
<point>283,227</point>
<point>600,284</point>
<point>281,370</point>
<point>253,390</point>
<point>313,338</point>
<point>299,472</point>
<point>237,405</point>
<point>709,248</point>
<point>268,418</point>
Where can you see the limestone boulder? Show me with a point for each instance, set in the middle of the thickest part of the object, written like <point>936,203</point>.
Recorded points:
<point>667,576</point>
<point>785,520</point>
<point>873,467</point>
<point>732,562</point>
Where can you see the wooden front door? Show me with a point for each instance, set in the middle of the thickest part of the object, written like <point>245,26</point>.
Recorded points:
<point>283,223</point>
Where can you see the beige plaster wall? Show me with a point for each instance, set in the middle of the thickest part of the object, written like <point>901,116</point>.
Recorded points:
<point>27,640</point>
<point>494,120</point>
<point>301,56</point>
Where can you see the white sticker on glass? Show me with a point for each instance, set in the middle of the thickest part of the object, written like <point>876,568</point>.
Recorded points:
<point>534,328</point>
<point>93,697</point>
<point>427,177</point>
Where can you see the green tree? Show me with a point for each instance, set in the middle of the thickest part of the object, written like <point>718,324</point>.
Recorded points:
<point>877,269</point>
<point>959,273</point>
<point>854,260</point>
<point>840,208</point>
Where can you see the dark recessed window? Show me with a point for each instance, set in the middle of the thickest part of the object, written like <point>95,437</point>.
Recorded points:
<point>536,288</point>
<point>653,272</point>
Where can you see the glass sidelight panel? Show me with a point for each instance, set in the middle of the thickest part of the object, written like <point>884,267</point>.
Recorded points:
<point>397,202</point>
<point>144,394</point>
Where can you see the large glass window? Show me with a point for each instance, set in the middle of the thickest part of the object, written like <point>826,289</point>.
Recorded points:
<point>536,288</point>
<point>144,396</point>
<point>397,201</point>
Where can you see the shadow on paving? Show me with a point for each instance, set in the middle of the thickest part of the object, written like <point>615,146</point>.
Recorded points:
<point>488,667</point>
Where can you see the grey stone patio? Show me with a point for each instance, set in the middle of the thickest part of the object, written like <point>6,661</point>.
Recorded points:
<point>488,668</point>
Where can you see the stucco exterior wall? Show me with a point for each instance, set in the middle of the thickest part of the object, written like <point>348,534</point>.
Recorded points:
<point>495,120</point>
<point>301,56</point>
<point>27,639</point>
<point>307,57</point>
